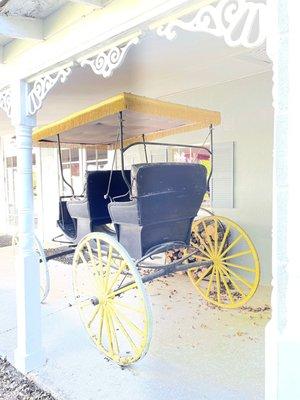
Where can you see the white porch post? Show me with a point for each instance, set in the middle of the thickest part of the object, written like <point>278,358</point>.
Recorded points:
<point>283,332</point>
<point>28,354</point>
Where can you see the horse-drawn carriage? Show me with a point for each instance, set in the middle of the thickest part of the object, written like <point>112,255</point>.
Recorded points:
<point>153,208</point>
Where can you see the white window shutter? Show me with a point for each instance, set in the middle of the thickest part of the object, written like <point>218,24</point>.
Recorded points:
<point>222,179</point>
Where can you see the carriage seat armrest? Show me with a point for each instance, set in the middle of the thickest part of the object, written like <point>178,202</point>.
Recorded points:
<point>123,212</point>
<point>78,208</point>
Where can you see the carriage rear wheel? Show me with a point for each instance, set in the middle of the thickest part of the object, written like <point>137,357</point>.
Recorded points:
<point>231,274</point>
<point>112,300</point>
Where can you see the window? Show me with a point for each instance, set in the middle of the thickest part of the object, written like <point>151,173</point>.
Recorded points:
<point>71,170</point>
<point>192,155</point>
<point>95,159</point>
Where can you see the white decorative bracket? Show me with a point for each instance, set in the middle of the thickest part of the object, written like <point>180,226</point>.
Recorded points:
<point>105,62</point>
<point>234,20</point>
<point>42,85</point>
<point>5,101</point>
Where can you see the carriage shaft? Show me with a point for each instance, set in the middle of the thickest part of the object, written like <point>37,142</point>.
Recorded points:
<point>60,254</point>
<point>167,270</point>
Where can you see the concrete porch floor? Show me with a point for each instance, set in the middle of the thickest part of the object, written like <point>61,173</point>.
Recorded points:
<point>197,352</point>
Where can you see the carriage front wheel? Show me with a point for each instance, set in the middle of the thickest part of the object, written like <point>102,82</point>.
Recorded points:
<point>111,297</point>
<point>230,275</point>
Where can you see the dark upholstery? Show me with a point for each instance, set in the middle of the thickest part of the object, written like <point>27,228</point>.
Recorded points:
<point>165,199</point>
<point>96,188</point>
<point>92,207</point>
<point>65,222</point>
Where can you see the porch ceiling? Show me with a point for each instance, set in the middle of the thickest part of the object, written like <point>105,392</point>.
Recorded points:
<point>25,19</point>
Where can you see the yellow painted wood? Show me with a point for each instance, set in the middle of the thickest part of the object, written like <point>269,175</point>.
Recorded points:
<point>233,276</point>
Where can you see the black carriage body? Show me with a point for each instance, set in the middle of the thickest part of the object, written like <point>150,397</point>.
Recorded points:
<point>89,213</point>
<point>165,199</point>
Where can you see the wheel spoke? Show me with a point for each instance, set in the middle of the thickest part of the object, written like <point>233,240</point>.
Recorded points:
<point>208,237</point>
<point>218,286</point>
<point>204,275</point>
<point>226,286</point>
<point>239,278</point>
<point>83,258</point>
<point>129,323</point>
<point>200,250</point>
<point>115,344</point>
<point>237,287</point>
<point>210,283</point>
<point>109,335</point>
<point>99,259</point>
<point>232,245</point>
<point>240,254</point>
<point>224,239</point>
<point>99,280</point>
<point>123,290</point>
<point>108,265</point>
<point>200,257</point>
<point>216,236</point>
<point>242,267</point>
<point>202,241</point>
<point>99,340</point>
<point>120,304</point>
<point>125,333</point>
<point>116,277</point>
<point>94,315</point>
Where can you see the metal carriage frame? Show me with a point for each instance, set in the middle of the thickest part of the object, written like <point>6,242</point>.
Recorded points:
<point>109,289</point>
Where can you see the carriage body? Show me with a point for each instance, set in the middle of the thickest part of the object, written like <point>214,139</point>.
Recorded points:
<point>153,209</point>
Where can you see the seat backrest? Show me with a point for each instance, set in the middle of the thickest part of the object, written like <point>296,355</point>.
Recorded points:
<point>96,188</point>
<point>163,178</point>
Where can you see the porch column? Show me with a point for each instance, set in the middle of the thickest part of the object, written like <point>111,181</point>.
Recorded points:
<point>283,332</point>
<point>28,354</point>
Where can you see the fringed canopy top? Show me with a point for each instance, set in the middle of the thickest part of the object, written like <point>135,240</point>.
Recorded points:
<point>98,125</point>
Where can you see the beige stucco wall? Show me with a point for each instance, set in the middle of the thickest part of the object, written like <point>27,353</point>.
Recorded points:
<point>247,120</point>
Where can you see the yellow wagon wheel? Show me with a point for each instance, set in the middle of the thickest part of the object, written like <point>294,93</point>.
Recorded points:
<point>231,273</point>
<point>112,300</point>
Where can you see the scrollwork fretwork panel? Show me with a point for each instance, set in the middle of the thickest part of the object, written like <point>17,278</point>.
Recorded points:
<point>240,22</point>
<point>105,62</point>
<point>41,87</point>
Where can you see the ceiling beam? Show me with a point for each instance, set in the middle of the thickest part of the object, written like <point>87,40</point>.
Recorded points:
<point>21,27</point>
<point>94,3</point>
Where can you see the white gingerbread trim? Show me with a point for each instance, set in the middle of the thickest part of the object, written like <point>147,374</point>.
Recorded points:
<point>42,85</point>
<point>222,20</point>
<point>5,101</point>
<point>105,62</point>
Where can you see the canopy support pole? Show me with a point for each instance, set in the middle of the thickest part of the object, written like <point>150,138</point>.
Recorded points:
<point>29,354</point>
<point>122,149</point>
<point>145,150</point>
<point>210,181</point>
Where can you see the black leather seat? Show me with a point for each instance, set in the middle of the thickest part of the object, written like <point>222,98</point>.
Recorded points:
<point>91,210</point>
<point>165,199</point>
